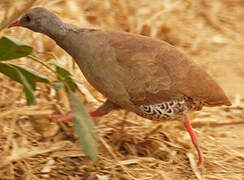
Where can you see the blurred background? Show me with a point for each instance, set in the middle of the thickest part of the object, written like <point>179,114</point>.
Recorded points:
<point>210,32</point>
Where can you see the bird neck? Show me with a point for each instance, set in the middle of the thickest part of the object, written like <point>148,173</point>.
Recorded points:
<point>59,33</point>
<point>73,41</point>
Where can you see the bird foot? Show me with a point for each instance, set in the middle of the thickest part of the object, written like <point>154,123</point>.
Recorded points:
<point>193,138</point>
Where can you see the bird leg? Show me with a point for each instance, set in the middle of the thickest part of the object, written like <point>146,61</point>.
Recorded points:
<point>193,138</point>
<point>68,117</point>
<point>105,108</point>
<point>96,114</point>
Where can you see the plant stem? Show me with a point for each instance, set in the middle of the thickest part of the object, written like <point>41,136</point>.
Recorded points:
<point>37,59</point>
<point>42,63</point>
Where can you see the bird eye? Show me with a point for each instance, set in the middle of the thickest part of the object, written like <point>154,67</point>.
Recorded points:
<point>28,19</point>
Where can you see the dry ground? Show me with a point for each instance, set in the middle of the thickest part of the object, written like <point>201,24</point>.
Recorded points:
<point>211,32</point>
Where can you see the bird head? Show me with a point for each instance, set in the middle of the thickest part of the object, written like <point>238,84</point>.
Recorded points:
<point>39,20</point>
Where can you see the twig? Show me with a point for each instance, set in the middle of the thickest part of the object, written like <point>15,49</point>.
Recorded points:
<point>8,21</point>
<point>7,7</point>
<point>116,159</point>
<point>214,124</point>
<point>193,166</point>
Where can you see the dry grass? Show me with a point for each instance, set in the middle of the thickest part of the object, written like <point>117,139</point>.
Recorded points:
<point>211,32</point>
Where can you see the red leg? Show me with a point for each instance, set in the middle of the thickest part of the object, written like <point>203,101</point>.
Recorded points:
<point>68,117</point>
<point>61,117</point>
<point>96,114</point>
<point>193,138</point>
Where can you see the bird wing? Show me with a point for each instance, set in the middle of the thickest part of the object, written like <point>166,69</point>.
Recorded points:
<point>154,71</point>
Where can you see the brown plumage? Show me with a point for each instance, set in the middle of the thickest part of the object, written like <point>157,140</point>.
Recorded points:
<point>140,74</point>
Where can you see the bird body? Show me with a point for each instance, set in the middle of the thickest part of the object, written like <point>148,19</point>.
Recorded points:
<point>137,73</point>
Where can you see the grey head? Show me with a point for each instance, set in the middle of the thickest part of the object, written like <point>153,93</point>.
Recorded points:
<point>41,20</point>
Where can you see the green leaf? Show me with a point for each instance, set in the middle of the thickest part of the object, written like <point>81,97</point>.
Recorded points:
<point>66,75</point>
<point>57,85</point>
<point>71,84</point>
<point>84,127</point>
<point>60,70</point>
<point>11,48</point>
<point>25,76</point>
<point>29,92</point>
<point>31,76</point>
<point>63,72</point>
<point>13,72</point>
<point>9,71</point>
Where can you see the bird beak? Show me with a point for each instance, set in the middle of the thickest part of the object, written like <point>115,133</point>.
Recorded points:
<point>17,23</point>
